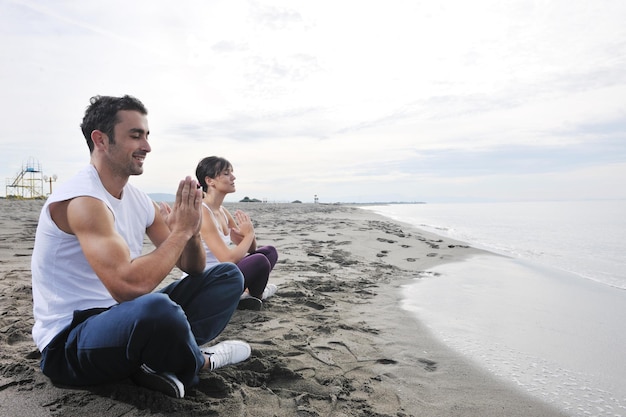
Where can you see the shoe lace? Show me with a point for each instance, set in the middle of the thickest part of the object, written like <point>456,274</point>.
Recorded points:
<point>219,359</point>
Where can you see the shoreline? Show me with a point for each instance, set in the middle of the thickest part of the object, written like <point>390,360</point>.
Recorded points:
<point>549,323</point>
<point>529,320</point>
<point>333,341</point>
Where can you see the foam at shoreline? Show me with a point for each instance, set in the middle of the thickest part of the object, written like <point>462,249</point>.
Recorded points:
<point>555,334</point>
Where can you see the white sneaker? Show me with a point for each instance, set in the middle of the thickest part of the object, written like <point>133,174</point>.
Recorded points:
<point>270,290</point>
<point>228,352</point>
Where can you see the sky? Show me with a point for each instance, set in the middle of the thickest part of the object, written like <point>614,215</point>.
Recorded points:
<point>347,100</point>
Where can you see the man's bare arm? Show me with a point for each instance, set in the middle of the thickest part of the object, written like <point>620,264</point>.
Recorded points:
<point>193,257</point>
<point>107,252</point>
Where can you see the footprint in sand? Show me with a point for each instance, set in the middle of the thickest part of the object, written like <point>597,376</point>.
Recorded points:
<point>314,305</point>
<point>430,366</point>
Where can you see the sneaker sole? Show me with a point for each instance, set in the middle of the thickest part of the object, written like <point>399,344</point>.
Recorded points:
<point>251,303</point>
<point>156,382</point>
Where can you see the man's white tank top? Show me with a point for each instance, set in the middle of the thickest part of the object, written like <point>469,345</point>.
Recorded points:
<point>63,280</point>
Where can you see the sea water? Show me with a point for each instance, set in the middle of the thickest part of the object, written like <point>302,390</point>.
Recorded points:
<point>549,315</point>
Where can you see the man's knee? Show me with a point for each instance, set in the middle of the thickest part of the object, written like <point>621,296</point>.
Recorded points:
<point>159,311</point>
<point>227,271</point>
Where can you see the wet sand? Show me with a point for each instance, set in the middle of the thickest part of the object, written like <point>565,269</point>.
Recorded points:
<point>332,342</point>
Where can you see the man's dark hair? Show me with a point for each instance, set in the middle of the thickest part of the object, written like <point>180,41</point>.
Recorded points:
<point>101,115</point>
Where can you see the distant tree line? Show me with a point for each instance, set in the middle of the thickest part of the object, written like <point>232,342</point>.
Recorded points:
<point>250,200</point>
<point>256,200</point>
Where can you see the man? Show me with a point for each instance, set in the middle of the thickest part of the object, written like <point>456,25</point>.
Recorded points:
<point>97,318</point>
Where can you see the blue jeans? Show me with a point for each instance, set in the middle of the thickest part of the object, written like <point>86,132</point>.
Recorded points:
<point>163,330</point>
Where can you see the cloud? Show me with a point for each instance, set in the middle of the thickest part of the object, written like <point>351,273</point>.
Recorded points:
<point>351,100</point>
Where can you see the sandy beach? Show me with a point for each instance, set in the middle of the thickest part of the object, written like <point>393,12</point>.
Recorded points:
<point>332,342</point>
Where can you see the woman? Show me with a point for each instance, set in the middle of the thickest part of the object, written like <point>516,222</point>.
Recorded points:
<point>229,238</point>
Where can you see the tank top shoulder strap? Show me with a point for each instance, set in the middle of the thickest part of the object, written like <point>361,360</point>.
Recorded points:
<point>215,219</point>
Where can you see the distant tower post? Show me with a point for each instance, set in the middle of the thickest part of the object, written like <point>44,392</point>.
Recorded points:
<point>315,199</point>
<point>51,179</point>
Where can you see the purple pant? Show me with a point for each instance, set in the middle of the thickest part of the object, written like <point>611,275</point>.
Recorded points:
<point>256,268</point>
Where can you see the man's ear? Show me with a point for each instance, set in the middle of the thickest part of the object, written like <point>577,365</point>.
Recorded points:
<point>99,139</point>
